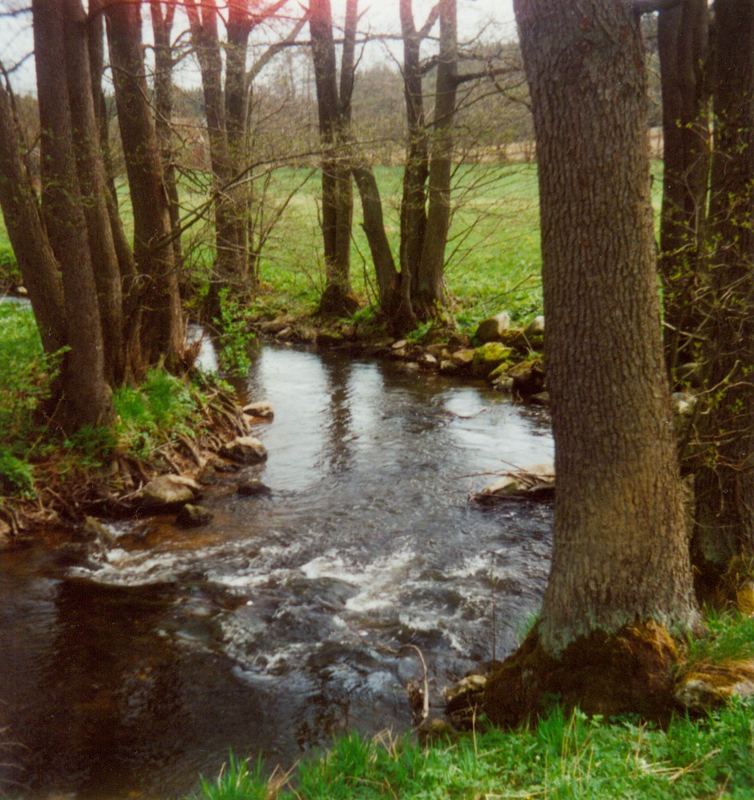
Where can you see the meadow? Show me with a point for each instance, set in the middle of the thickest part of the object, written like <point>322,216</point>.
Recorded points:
<point>493,256</point>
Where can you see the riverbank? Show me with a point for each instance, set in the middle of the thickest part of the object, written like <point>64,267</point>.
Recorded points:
<point>705,750</point>
<point>170,435</point>
<point>562,758</point>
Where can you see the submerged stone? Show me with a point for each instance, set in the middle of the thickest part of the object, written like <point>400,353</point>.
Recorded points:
<point>191,516</point>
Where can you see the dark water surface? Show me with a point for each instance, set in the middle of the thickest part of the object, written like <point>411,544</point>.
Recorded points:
<point>129,666</point>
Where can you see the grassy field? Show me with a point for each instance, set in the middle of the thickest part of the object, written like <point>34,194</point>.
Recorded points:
<point>493,256</point>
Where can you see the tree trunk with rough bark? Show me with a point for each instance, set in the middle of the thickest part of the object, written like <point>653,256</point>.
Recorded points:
<point>93,183</point>
<point>87,393</point>
<point>155,294</point>
<point>683,40</point>
<point>430,294</point>
<point>162,15</point>
<point>725,483</point>
<point>620,575</point>
<point>337,194</point>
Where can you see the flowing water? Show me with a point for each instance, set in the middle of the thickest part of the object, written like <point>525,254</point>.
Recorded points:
<point>131,664</point>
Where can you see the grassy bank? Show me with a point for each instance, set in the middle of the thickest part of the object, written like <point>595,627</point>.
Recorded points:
<point>564,757</point>
<point>37,461</point>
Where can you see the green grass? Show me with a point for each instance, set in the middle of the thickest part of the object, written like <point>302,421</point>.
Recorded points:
<point>146,417</point>
<point>729,637</point>
<point>493,254</point>
<point>563,758</point>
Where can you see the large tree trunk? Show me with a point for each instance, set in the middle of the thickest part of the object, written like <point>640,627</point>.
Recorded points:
<point>683,36</point>
<point>87,394</point>
<point>161,327</point>
<point>621,562</point>
<point>93,182</point>
<point>27,233</point>
<point>429,295</point>
<point>96,42</point>
<point>337,194</point>
<point>725,484</point>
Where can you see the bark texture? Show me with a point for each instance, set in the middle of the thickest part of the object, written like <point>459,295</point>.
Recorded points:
<point>155,295</point>
<point>725,484</point>
<point>334,111</point>
<point>621,552</point>
<point>93,183</point>
<point>87,394</point>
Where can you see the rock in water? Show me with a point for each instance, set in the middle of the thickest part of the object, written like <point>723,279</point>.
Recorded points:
<point>535,483</point>
<point>490,330</point>
<point>191,516</point>
<point>262,409</point>
<point>252,488</point>
<point>245,450</point>
<point>169,491</point>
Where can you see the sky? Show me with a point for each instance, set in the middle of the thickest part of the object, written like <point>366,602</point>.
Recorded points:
<point>494,17</point>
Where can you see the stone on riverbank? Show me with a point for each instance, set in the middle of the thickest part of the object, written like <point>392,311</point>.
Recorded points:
<point>252,488</point>
<point>245,450</point>
<point>263,409</point>
<point>490,330</point>
<point>169,491</point>
<point>488,357</point>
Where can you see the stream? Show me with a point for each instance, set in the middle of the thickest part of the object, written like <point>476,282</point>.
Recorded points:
<point>129,666</point>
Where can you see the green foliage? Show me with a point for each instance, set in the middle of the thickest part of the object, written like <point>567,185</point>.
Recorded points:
<point>236,782</point>
<point>565,757</point>
<point>150,414</point>
<point>16,475</point>
<point>26,373</point>
<point>729,637</point>
<point>419,333</point>
<point>91,446</point>
<point>235,335</point>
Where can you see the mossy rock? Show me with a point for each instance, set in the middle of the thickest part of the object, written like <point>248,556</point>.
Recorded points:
<point>706,686</point>
<point>488,357</point>
<point>500,371</point>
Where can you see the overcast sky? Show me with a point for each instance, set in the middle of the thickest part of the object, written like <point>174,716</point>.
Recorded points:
<point>493,17</point>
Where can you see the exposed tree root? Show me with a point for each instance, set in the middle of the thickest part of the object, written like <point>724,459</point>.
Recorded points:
<point>630,671</point>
